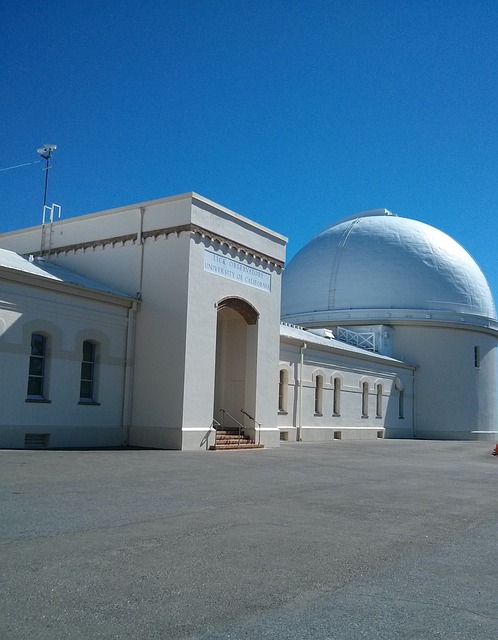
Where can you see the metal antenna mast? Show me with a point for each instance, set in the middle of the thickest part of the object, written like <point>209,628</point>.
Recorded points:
<point>46,152</point>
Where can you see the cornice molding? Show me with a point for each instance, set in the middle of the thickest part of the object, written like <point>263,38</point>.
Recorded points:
<point>165,232</point>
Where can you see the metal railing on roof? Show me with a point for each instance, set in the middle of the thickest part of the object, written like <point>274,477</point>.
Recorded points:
<point>365,340</point>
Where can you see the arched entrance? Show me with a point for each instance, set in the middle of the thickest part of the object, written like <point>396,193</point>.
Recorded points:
<point>236,359</point>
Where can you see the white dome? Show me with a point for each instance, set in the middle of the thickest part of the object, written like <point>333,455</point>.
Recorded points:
<point>379,261</point>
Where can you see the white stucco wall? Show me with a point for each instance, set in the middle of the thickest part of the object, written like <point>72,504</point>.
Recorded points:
<point>67,320</point>
<point>160,346</point>
<point>353,369</point>
<point>455,399</point>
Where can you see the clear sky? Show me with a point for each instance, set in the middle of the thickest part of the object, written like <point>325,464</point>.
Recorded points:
<point>294,113</point>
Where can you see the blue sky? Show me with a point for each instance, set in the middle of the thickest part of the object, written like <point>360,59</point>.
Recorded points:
<point>293,113</point>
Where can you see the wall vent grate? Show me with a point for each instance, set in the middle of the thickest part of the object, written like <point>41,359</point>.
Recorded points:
<point>36,440</point>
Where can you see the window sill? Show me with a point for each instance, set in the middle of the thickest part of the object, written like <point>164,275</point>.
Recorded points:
<point>89,403</point>
<point>283,413</point>
<point>38,400</point>
<point>318,415</point>
<point>336,415</point>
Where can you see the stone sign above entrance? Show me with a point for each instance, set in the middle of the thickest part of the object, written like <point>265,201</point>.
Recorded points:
<point>235,270</point>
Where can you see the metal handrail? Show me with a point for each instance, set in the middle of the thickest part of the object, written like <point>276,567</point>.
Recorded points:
<point>240,425</point>
<point>255,423</point>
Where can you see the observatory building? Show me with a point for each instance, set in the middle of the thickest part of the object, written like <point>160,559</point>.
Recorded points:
<point>173,324</point>
<point>406,290</point>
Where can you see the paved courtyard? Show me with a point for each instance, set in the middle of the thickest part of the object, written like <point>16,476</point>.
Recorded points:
<point>342,541</point>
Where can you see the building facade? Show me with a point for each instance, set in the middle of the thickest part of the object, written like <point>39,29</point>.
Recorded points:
<point>204,329</point>
<point>329,390</point>
<point>158,325</point>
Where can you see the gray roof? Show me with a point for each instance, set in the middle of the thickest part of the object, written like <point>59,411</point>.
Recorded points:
<point>298,333</point>
<point>50,271</point>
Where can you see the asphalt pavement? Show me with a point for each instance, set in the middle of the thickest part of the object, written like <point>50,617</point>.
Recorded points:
<point>389,539</point>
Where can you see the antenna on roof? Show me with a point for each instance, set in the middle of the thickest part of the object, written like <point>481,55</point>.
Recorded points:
<point>46,152</point>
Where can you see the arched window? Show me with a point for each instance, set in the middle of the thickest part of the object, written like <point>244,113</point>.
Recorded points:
<point>318,395</point>
<point>336,408</point>
<point>378,403</point>
<point>398,385</point>
<point>87,381</point>
<point>283,384</point>
<point>37,368</point>
<point>401,404</point>
<point>364,400</point>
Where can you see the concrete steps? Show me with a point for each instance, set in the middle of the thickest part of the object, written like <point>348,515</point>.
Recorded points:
<point>228,439</point>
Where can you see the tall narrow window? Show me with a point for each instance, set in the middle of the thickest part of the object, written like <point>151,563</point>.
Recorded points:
<point>401,404</point>
<point>477,357</point>
<point>87,382</point>
<point>378,404</point>
<point>336,409</point>
<point>37,367</point>
<point>364,400</point>
<point>318,395</point>
<point>282,391</point>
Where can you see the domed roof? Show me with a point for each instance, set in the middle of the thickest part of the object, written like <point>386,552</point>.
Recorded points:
<point>377,260</point>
